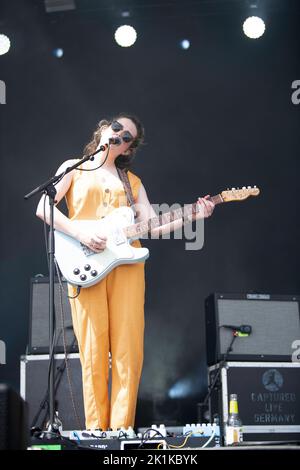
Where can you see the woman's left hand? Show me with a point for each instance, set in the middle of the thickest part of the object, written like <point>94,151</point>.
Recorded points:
<point>206,207</point>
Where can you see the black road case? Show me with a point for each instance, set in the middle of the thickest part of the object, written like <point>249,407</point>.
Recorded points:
<point>268,398</point>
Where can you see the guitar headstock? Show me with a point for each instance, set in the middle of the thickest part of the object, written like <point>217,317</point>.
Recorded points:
<point>237,194</point>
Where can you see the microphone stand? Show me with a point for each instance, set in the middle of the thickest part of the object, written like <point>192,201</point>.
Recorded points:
<point>45,401</point>
<point>49,189</point>
<point>203,404</point>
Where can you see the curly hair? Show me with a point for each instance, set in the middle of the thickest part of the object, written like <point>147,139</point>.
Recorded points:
<point>122,161</point>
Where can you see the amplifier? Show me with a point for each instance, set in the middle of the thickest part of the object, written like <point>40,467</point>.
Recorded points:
<point>275,322</point>
<point>39,318</point>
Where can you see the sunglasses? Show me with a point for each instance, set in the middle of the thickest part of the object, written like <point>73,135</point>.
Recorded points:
<point>126,136</point>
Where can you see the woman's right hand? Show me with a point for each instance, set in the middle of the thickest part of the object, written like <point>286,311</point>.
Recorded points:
<point>96,241</point>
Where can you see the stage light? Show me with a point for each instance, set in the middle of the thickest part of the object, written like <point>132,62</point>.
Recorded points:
<point>58,53</point>
<point>185,44</point>
<point>254,27</point>
<point>52,6</point>
<point>125,36</point>
<point>125,14</point>
<point>181,389</point>
<point>4,44</point>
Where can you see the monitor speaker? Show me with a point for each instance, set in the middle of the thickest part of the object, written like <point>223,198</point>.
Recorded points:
<point>275,323</point>
<point>39,318</point>
<point>14,431</point>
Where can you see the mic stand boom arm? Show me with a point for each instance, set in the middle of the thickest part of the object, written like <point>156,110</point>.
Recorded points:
<point>54,180</point>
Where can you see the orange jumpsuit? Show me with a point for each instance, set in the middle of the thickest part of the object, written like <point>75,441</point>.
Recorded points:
<point>109,316</point>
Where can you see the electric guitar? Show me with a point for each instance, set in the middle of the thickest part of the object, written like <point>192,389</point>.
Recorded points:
<point>81,266</point>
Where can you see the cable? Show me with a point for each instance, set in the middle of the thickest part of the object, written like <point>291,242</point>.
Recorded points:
<point>61,177</point>
<point>170,446</point>
<point>66,360</point>
<point>93,169</point>
<point>212,385</point>
<point>188,436</point>
<point>155,432</point>
<point>77,436</point>
<point>44,403</point>
<point>45,231</point>
<point>51,358</point>
<point>51,347</point>
<point>209,440</point>
<point>61,285</point>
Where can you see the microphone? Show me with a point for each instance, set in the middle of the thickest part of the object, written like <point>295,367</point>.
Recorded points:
<point>246,329</point>
<point>115,140</point>
<point>102,148</point>
<point>111,140</point>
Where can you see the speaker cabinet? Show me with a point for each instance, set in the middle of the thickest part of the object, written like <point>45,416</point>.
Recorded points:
<point>39,318</point>
<point>14,432</point>
<point>274,320</point>
<point>34,387</point>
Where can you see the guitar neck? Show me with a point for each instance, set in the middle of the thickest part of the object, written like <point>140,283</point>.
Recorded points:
<point>141,228</point>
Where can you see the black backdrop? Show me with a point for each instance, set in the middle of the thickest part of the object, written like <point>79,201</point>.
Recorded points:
<point>216,115</point>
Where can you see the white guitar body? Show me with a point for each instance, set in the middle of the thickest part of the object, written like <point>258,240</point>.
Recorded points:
<point>82,266</point>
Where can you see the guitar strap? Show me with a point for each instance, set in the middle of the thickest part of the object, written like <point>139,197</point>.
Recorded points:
<point>128,191</point>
